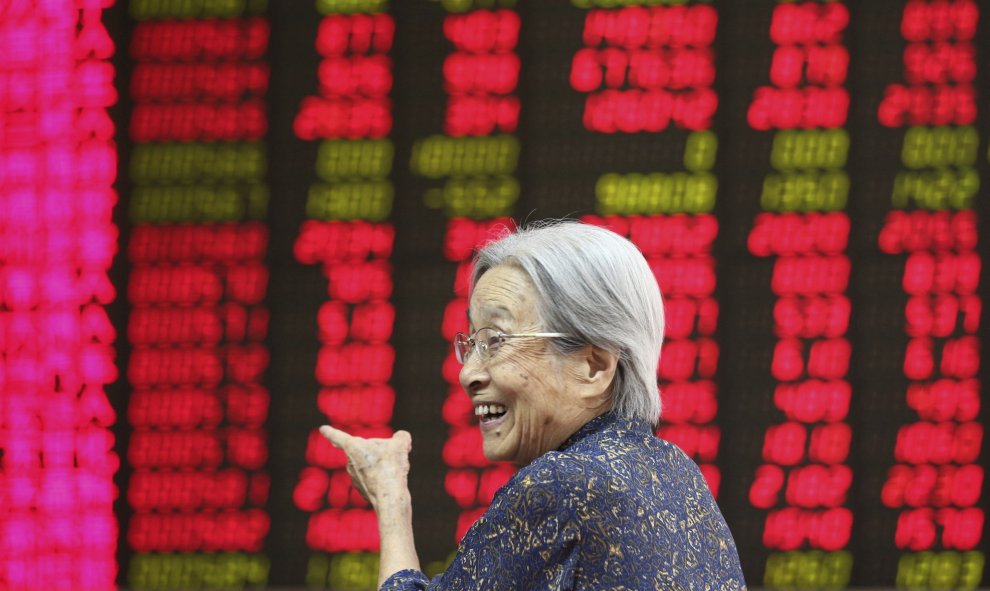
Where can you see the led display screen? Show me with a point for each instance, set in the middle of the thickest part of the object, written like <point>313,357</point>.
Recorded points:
<point>224,223</point>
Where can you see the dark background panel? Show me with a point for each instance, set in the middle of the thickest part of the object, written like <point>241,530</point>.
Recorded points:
<point>560,162</point>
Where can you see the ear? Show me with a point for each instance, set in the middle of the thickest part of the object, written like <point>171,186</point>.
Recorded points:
<point>598,368</point>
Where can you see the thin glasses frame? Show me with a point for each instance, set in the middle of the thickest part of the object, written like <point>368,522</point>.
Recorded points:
<point>464,344</point>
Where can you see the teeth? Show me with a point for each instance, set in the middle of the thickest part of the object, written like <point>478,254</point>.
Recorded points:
<point>488,409</point>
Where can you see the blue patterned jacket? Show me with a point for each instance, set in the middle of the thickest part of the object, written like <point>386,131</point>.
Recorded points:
<point>613,508</point>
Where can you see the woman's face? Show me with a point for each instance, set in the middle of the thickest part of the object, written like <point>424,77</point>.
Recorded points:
<point>523,376</point>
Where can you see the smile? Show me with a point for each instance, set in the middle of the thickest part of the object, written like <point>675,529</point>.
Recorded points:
<point>489,414</point>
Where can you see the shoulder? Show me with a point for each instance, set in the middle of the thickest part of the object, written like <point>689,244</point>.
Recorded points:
<point>638,469</point>
<point>613,461</point>
<point>553,488</point>
<point>572,482</point>
<point>552,479</point>
<point>566,474</point>
<point>539,507</point>
<point>634,474</point>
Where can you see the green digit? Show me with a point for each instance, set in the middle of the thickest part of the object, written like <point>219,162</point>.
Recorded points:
<point>700,151</point>
<point>836,190</point>
<point>456,5</point>
<point>911,152</point>
<point>837,148</point>
<point>945,570</point>
<point>257,201</point>
<point>971,571</point>
<point>966,189</point>
<point>708,188</point>
<point>968,146</point>
<point>838,568</point>
<point>317,571</point>
<point>605,192</point>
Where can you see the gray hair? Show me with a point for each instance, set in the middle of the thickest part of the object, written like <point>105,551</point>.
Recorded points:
<point>596,286</point>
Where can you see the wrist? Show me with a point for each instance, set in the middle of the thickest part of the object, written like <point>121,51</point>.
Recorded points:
<point>394,522</point>
<point>395,505</point>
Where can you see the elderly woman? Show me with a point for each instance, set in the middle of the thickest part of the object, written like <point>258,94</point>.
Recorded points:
<point>561,367</point>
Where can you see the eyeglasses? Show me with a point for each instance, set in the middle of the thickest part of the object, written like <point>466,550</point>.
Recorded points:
<point>486,341</point>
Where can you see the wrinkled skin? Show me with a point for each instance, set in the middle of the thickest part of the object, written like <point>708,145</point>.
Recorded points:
<point>547,396</point>
<point>378,467</point>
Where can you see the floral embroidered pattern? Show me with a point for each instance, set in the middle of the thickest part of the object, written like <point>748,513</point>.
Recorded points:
<point>613,508</point>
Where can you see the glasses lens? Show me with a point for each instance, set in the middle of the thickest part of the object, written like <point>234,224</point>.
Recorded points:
<point>461,347</point>
<point>487,342</point>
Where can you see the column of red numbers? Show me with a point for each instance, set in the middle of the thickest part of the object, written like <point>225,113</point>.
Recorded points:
<point>804,480</point>
<point>353,368</point>
<point>198,321</point>
<point>804,469</point>
<point>345,235</point>
<point>58,165</point>
<point>937,482</point>
<point>650,69</point>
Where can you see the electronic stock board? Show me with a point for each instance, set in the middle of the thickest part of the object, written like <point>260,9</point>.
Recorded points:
<point>226,222</point>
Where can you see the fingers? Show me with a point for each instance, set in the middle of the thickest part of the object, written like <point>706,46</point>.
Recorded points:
<point>338,438</point>
<point>374,464</point>
<point>347,442</point>
<point>404,439</point>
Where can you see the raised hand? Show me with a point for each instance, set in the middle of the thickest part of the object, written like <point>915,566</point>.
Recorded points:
<point>379,468</point>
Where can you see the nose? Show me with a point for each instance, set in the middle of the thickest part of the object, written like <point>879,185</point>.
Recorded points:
<point>474,375</point>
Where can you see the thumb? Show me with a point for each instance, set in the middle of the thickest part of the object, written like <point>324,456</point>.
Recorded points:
<point>337,438</point>
<point>404,439</point>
